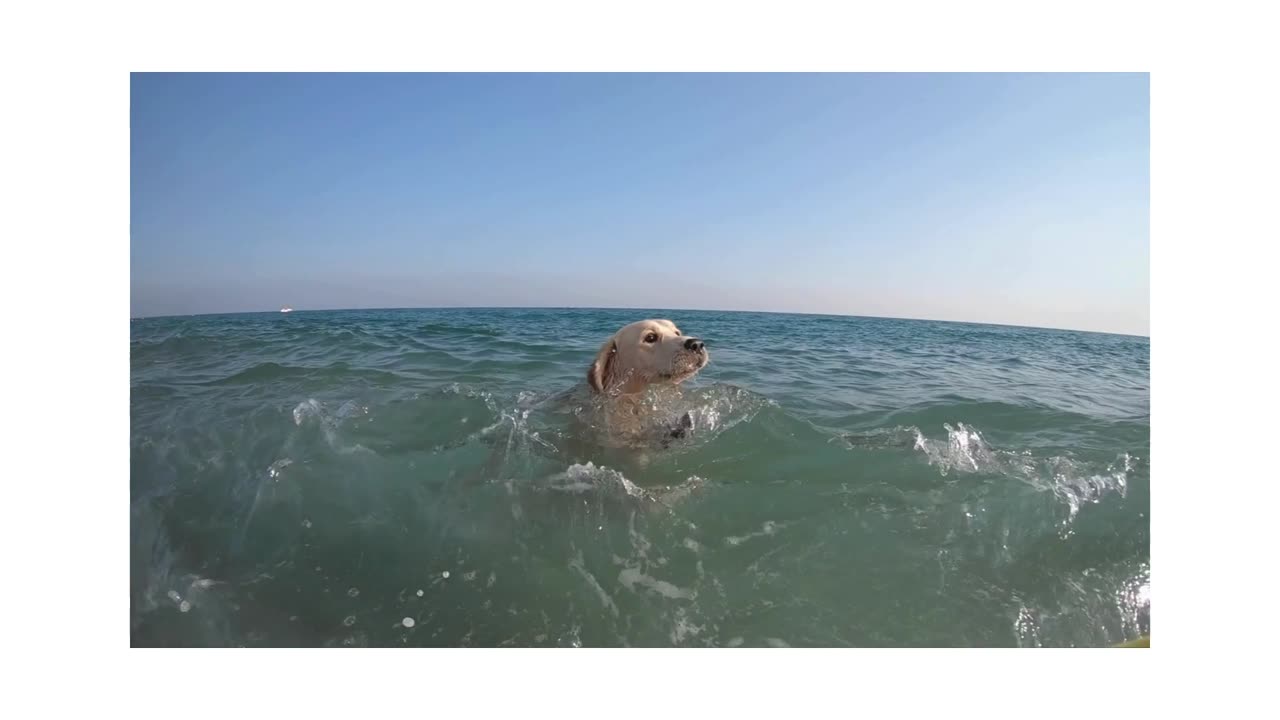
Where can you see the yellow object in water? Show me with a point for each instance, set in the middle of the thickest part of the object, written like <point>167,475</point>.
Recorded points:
<point>1142,642</point>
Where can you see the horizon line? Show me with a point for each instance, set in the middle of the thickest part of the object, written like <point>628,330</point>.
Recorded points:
<point>704,310</point>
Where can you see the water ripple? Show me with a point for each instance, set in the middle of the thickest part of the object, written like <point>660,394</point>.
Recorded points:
<point>845,481</point>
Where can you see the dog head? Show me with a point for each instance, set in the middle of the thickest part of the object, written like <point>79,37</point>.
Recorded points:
<point>643,353</point>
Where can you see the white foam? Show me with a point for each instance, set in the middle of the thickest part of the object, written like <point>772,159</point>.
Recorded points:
<point>683,628</point>
<point>579,487</point>
<point>679,492</point>
<point>579,478</point>
<point>407,622</point>
<point>639,542</point>
<point>305,409</point>
<point>964,450</point>
<point>313,409</point>
<point>577,565</point>
<point>630,577</point>
<point>1026,628</point>
<point>1070,480</point>
<point>277,466</point>
<point>768,528</point>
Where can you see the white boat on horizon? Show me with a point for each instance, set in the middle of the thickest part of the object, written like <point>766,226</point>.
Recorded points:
<point>286,308</point>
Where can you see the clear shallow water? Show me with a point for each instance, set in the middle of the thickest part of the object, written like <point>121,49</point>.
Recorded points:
<point>421,477</point>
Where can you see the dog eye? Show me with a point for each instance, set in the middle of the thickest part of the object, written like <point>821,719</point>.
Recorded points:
<point>651,338</point>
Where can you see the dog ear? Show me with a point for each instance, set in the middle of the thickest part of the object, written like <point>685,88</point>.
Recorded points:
<point>600,374</point>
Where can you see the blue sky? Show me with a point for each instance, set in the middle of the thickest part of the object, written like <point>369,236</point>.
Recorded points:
<point>1019,199</point>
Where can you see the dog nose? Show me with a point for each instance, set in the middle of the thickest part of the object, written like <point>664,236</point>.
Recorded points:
<point>693,344</point>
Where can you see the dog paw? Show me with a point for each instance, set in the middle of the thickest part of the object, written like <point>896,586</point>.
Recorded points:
<point>683,426</point>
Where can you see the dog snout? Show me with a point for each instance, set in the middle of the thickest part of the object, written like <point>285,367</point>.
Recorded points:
<point>693,344</point>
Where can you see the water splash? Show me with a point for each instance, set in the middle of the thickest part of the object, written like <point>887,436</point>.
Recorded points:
<point>579,478</point>
<point>964,450</point>
<point>312,412</point>
<point>1072,481</point>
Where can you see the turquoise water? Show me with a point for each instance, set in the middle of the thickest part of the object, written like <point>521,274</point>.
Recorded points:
<point>423,478</point>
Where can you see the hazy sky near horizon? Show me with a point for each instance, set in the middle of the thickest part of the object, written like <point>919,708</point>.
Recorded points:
<point>1019,199</point>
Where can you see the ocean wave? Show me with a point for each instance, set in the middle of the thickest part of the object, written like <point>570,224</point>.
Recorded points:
<point>313,413</point>
<point>720,407</point>
<point>701,414</point>
<point>581,478</point>
<point>1086,608</point>
<point>175,344</point>
<point>1073,481</point>
<point>456,331</point>
<point>274,372</point>
<point>570,424</point>
<point>997,493</point>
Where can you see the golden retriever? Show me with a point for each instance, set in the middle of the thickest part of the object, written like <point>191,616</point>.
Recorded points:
<point>649,354</point>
